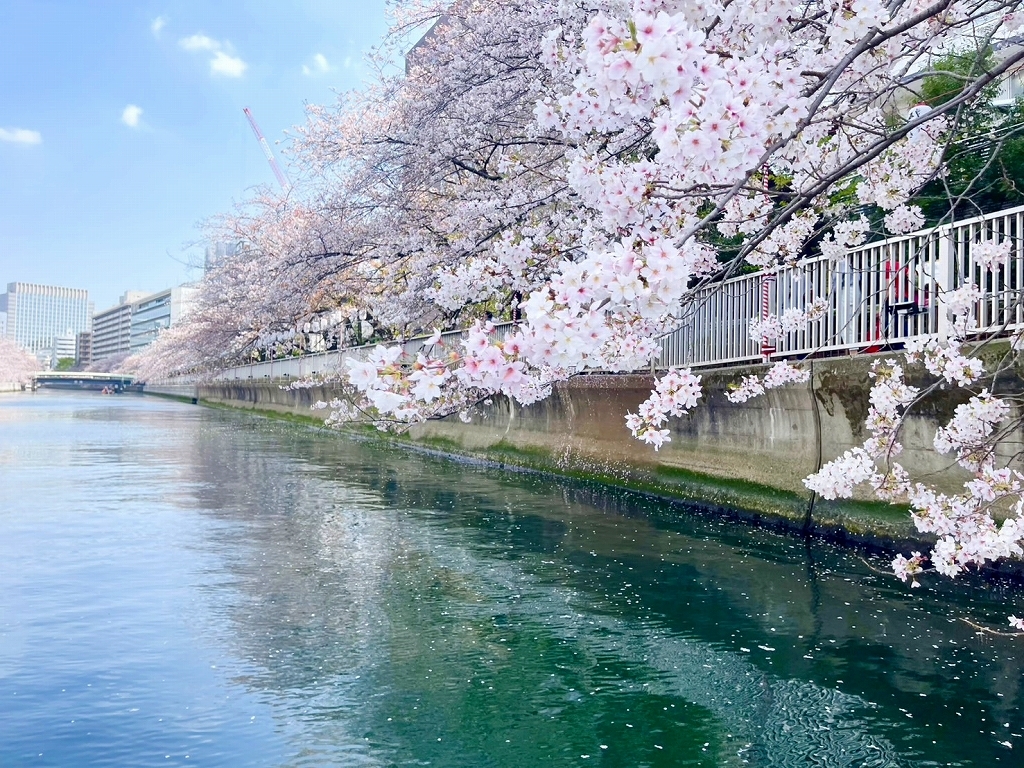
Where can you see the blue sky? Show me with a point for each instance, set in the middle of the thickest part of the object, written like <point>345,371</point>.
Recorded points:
<point>121,124</point>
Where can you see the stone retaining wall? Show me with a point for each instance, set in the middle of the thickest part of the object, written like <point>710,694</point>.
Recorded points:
<point>751,456</point>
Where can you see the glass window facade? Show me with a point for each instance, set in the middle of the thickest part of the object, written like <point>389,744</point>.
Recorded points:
<point>36,314</point>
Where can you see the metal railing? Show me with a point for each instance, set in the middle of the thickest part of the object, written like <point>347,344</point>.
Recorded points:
<point>878,294</point>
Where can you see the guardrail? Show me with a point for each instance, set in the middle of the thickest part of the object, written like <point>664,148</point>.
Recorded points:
<point>878,294</point>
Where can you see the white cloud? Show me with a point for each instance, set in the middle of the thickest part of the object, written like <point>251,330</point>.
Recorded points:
<point>222,63</point>
<point>320,66</point>
<point>158,23</point>
<point>199,43</point>
<point>229,66</point>
<point>20,136</point>
<point>348,62</point>
<point>131,115</point>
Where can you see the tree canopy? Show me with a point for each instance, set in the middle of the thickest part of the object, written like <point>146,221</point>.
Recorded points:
<point>16,364</point>
<point>983,162</point>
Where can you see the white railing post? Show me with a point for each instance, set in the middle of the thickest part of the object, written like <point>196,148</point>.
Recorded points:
<point>945,276</point>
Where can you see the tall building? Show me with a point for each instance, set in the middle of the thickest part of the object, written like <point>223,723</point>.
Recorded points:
<point>83,349</point>
<point>152,314</point>
<point>36,314</point>
<point>112,328</point>
<point>217,254</point>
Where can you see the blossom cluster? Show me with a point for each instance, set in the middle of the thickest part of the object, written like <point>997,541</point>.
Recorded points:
<point>967,532</point>
<point>779,374</point>
<point>968,431</point>
<point>845,234</point>
<point>890,396</point>
<point>945,358</point>
<point>903,219</point>
<point>908,568</point>
<point>772,327</point>
<point>674,394</point>
<point>396,391</point>
<point>990,254</point>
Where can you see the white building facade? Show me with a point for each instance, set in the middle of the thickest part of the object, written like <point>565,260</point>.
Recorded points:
<point>112,328</point>
<point>152,314</point>
<point>37,314</point>
<point>63,348</point>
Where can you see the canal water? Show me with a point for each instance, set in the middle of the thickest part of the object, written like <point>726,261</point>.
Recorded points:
<point>186,586</point>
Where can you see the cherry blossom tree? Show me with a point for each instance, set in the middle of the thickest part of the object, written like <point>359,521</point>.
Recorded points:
<point>587,158</point>
<point>16,364</point>
<point>581,168</point>
<point>255,302</point>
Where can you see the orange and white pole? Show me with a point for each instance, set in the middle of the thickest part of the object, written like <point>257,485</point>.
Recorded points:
<point>767,345</point>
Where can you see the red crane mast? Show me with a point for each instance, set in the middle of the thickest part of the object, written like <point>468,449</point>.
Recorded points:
<point>278,173</point>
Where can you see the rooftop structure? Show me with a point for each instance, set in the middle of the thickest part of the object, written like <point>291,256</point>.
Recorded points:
<point>217,254</point>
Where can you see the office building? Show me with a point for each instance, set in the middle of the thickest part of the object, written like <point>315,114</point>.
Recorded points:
<point>83,349</point>
<point>112,328</point>
<point>217,254</point>
<point>152,314</point>
<point>63,348</point>
<point>38,313</point>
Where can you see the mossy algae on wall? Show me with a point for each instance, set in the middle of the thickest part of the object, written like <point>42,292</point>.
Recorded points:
<point>591,443</point>
<point>737,459</point>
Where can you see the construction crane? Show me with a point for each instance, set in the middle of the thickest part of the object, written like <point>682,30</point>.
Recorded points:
<point>281,178</point>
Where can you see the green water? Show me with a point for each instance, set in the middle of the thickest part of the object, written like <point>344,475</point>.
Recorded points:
<point>185,586</point>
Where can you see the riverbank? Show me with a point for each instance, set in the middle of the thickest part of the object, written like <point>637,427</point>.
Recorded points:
<point>743,461</point>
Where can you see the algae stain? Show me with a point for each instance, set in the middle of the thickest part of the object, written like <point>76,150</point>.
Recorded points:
<point>850,391</point>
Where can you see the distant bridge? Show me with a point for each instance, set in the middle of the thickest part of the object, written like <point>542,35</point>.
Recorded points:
<point>81,380</point>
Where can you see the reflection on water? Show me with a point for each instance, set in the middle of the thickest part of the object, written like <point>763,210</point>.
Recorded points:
<point>183,586</point>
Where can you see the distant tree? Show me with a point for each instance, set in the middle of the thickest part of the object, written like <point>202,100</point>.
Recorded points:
<point>65,364</point>
<point>107,364</point>
<point>984,160</point>
<point>16,364</point>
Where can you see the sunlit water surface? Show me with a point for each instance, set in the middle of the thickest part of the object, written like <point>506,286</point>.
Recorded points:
<point>184,586</point>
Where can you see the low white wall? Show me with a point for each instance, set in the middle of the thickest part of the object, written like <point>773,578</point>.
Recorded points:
<point>173,390</point>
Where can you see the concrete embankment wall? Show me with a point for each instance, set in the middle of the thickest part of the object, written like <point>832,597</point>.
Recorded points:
<point>737,458</point>
<point>187,392</point>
